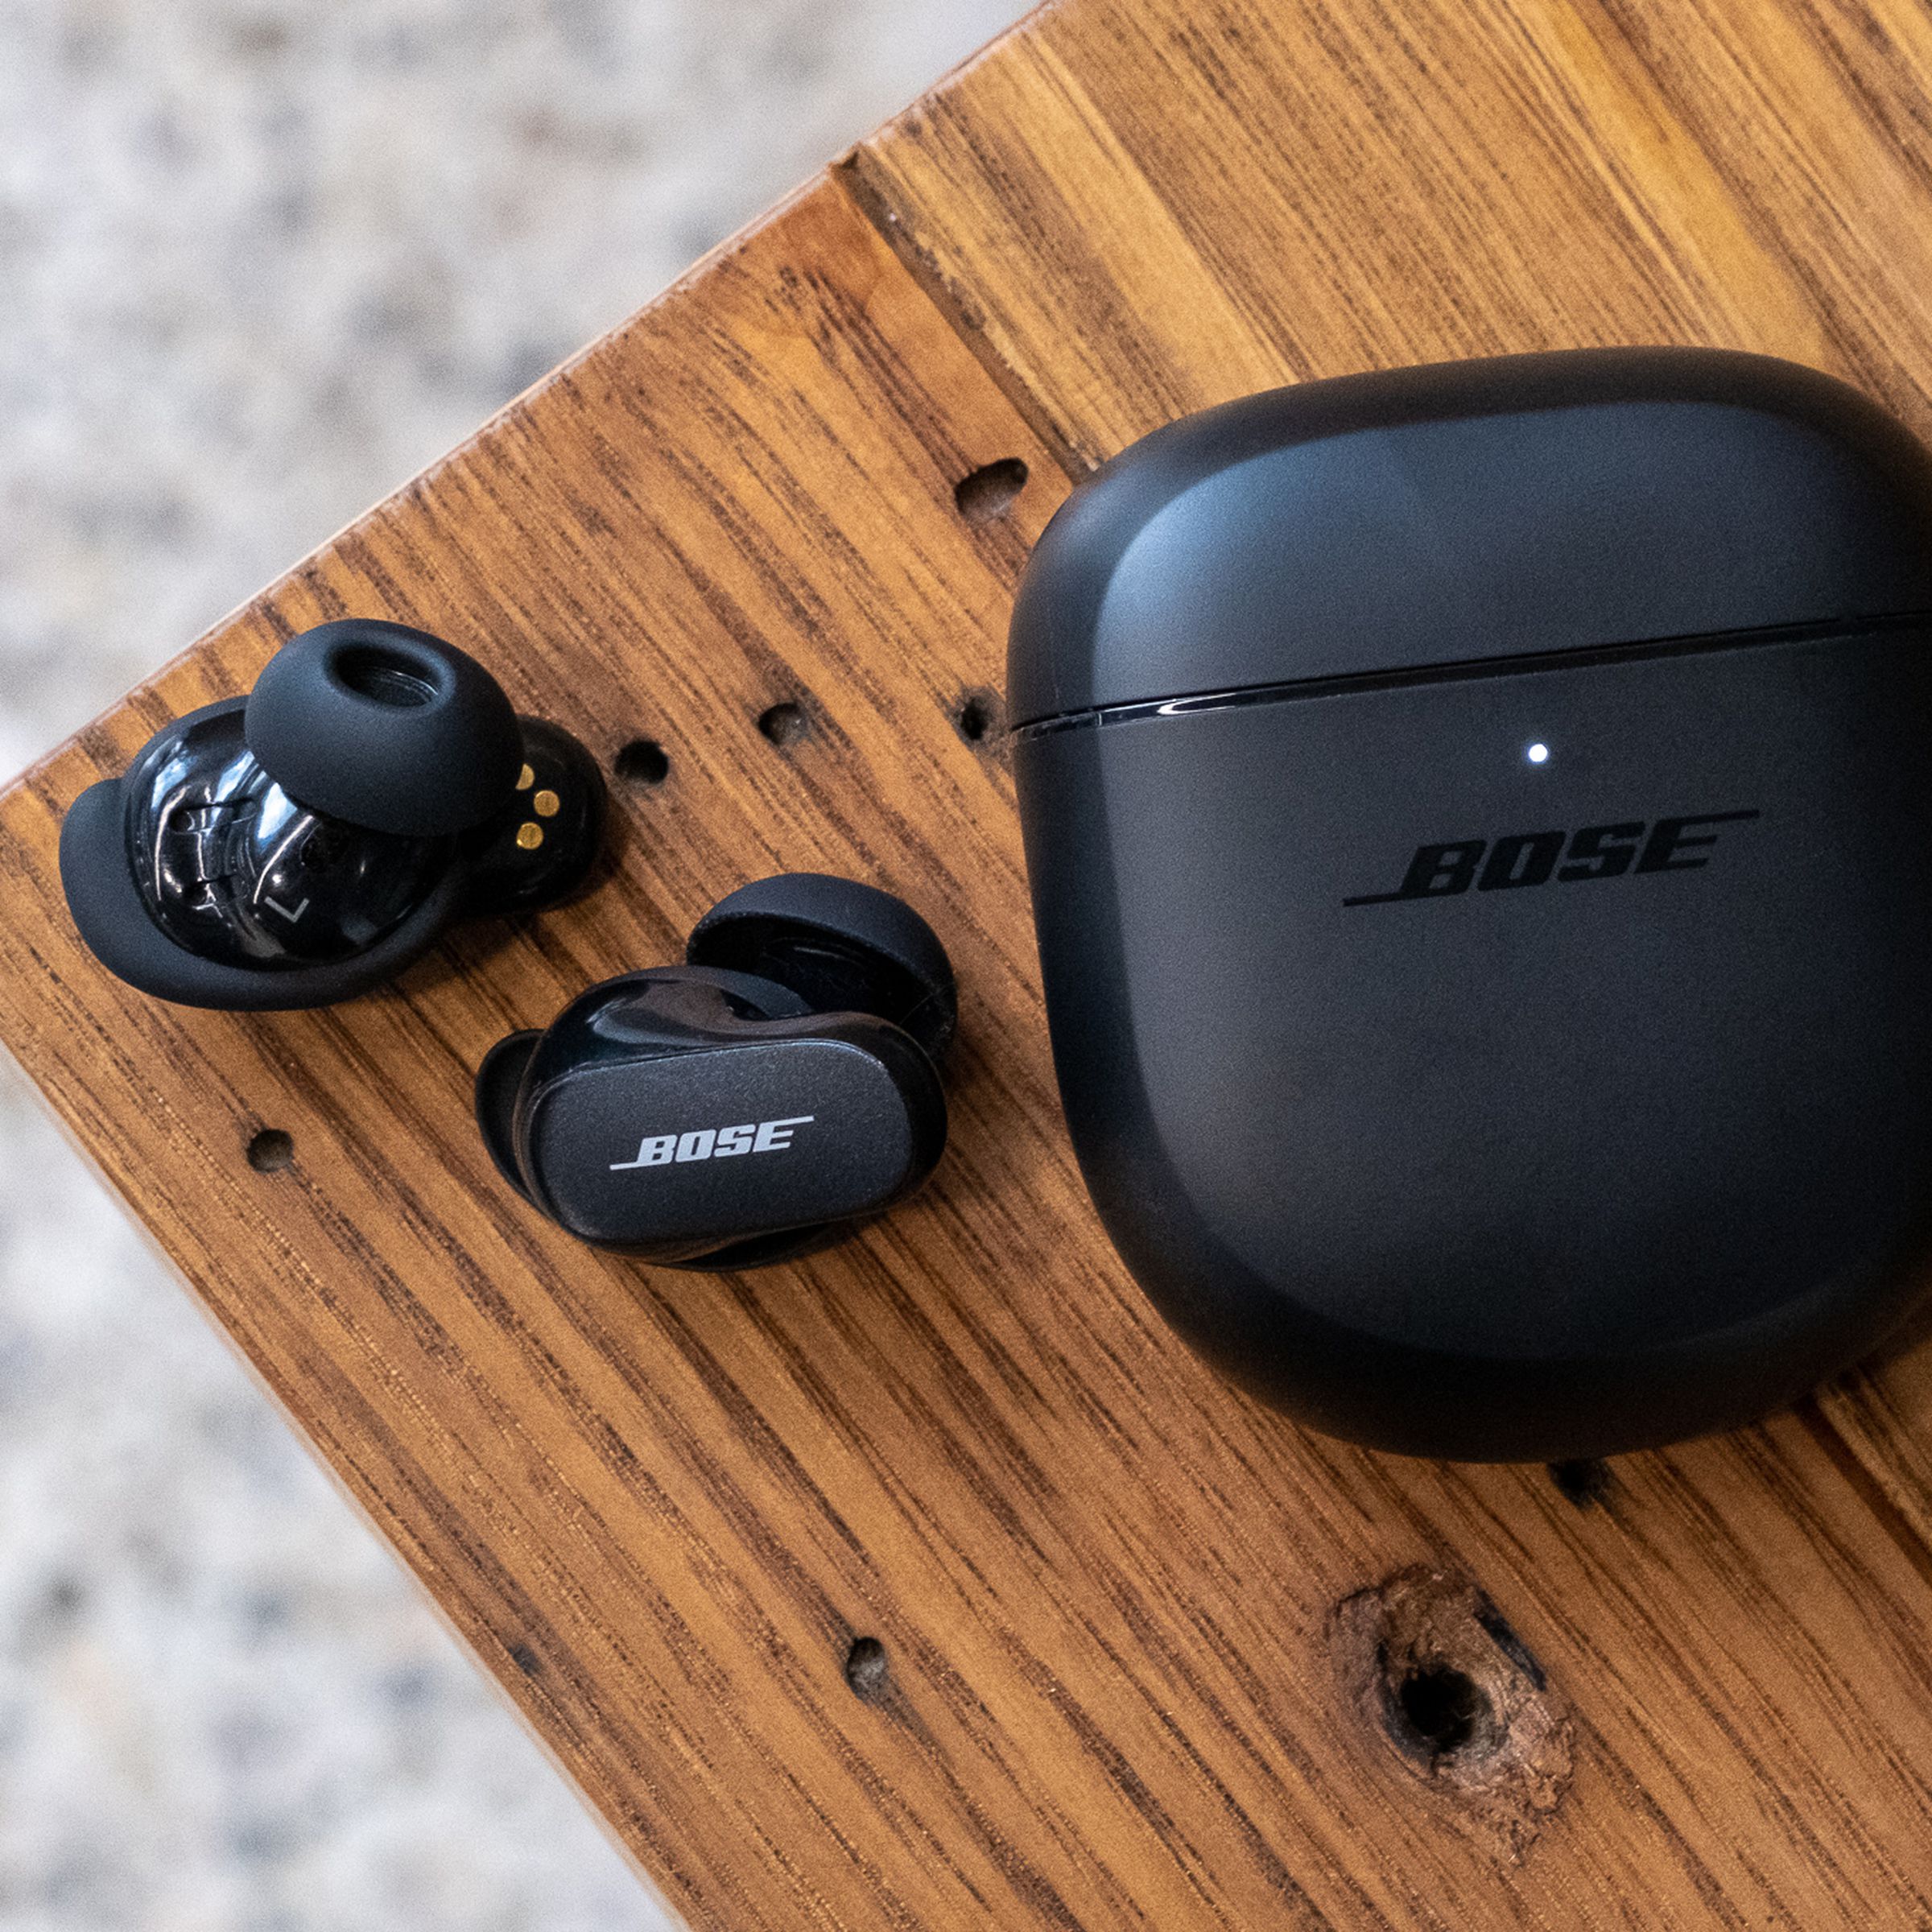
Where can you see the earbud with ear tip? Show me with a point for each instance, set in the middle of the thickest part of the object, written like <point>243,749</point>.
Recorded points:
<point>305,843</point>
<point>758,1102</point>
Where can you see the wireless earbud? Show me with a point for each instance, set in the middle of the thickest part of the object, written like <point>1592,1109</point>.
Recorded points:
<point>752,1104</point>
<point>304,845</point>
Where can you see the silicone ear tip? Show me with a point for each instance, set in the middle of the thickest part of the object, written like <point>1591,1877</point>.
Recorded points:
<point>742,930</point>
<point>385,727</point>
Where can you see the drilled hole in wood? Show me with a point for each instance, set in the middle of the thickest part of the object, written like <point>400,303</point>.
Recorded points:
<point>866,1670</point>
<point>1443,1709</point>
<point>989,491</point>
<point>271,1150</point>
<point>642,761</point>
<point>526,1659</point>
<point>1584,1481</point>
<point>978,718</point>
<point>785,724</point>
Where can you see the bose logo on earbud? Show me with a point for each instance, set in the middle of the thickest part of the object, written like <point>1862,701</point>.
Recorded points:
<point>714,1143</point>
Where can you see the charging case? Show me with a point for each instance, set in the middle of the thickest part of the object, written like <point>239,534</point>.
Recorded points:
<point>1480,826</point>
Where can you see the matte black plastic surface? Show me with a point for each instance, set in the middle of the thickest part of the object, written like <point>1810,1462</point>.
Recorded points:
<point>1471,510</point>
<point>705,1117</point>
<point>1520,1052</point>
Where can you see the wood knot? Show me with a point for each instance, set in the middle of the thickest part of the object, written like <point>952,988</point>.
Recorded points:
<point>1435,1672</point>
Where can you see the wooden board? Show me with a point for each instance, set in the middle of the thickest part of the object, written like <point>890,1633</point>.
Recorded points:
<point>931,1583</point>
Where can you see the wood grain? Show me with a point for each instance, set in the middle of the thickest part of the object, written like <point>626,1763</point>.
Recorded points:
<point>1386,185</point>
<point>1138,1651</point>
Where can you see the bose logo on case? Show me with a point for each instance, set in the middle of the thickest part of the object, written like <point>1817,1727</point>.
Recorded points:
<point>1529,858</point>
<point>715,1143</point>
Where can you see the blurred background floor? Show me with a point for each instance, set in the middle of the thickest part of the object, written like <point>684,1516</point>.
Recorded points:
<point>261,260</point>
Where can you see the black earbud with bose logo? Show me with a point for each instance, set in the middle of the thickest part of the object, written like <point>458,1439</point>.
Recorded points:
<point>757,1103</point>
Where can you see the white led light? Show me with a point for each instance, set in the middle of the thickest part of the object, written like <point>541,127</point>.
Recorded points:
<point>1538,754</point>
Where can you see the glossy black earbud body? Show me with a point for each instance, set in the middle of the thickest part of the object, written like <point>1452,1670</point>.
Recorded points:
<point>304,845</point>
<point>757,1103</point>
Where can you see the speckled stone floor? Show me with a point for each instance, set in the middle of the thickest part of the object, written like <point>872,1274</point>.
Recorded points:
<point>259,261</point>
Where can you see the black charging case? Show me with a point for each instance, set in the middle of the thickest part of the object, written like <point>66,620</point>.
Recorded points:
<point>1479,825</point>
